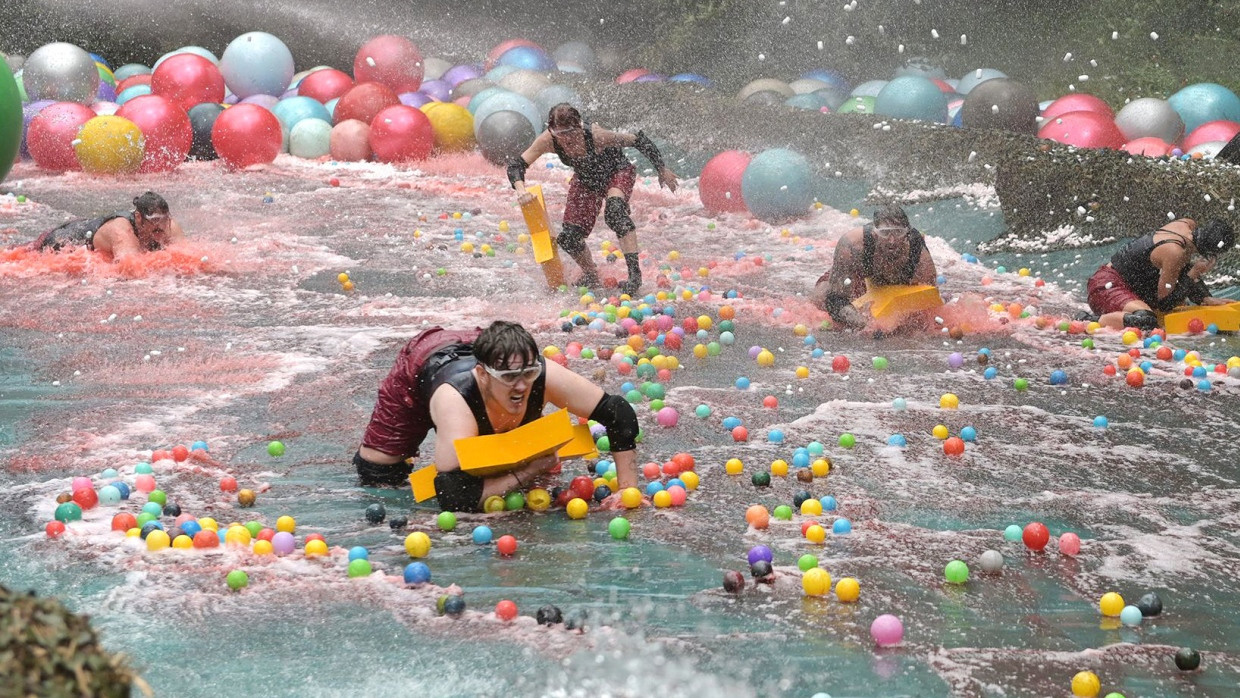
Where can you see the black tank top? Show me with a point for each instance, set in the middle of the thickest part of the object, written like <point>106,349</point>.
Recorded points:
<point>453,365</point>
<point>1134,265</point>
<point>82,232</point>
<point>916,243</point>
<point>597,167</point>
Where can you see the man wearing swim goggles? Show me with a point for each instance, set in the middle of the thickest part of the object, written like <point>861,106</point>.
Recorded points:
<point>887,252</point>
<point>121,235</point>
<point>473,383</point>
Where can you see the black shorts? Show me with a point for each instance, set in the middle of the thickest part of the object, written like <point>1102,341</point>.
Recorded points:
<point>457,490</point>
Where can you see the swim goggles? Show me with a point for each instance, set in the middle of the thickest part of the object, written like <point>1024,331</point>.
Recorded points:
<point>889,232</point>
<point>513,376</point>
<point>562,131</point>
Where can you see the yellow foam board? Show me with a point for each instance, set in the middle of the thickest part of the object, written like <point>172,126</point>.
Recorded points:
<point>890,301</point>
<point>1227,317</point>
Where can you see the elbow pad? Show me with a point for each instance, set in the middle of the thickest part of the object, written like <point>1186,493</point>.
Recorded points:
<point>516,171</point>
<point>649,150</point>
<point>620,419</point>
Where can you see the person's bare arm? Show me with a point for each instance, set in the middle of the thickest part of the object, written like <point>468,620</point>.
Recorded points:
<point>1170,262</point>
<point>841,284</point>
<point>453,420</point>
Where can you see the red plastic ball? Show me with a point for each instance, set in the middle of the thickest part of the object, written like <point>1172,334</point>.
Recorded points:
<point>840,364</point>
<point>265,534</point>
<point>690,324</point>
<point>180,453</point>
<point>582,487</point>
<point>650,471</point>
<point>1108,370</point>
<point>187,79</point>
<point>505,610</point>
<point>673,342</point>
<point>953,446</point>
<point>157,456</point>
<point>52,132</point>
<point>54,529</point>
<point>685,461</point>
<point>401,134</point>
<point>1148,146</point>
<point>86,498</point>
<point>228,483</point>
<point>1135,378</point>
<point>1163,354</point>
<point>325,85</point>
<point>740,434</point>
<point>124,521</point>
<point>719,186</point>
<point>1036,536</point>
<point>560,359</point>
<point>1188,371</point>
<point>506,545</point>
<point>206,538</point>
<point>389,60</point>
<point>805,526</point>
<point>363,101</point>
<point>770,402</point>
<point>246,135</point>
<point>314,536</point>
<point>670,469</point>
<point>1196,326</point>
<point>1135,352</point>
<point>165,128</point>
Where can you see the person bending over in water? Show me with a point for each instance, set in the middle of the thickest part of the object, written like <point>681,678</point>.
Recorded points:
<point>602,177</point>
<point>474,383</point>
<point>147,228</point>
<point>887,252</point>
<point>1159,270</point>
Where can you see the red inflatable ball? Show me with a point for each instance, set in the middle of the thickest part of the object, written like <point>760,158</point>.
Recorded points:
<point>363,101</point>
<point>188,79</point>
<point>1036,536</point>
<point>1075,102</point>
<point>51,135</point>
<point>144,79</point>
<point>1221,130</point>
<point>165,128</point>
<point>245,135</point>
<point>720,184</point>
<point>1083,129</point>
<point>350,141</point>
<point>631,75</point>
<point>325,85</point>
<point>505,47</point>
<point>392,61</point>
<point>1148,146</point>
<point>400,134</point>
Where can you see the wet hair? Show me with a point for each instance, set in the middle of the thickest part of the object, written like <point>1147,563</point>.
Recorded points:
<point>501,341</point>
<point>150,204</point>
<point>1214,238</point>
<point>891,213</point>
<point>563,115</point>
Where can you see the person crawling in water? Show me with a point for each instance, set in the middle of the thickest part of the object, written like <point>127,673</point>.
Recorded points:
<point>148,227</point>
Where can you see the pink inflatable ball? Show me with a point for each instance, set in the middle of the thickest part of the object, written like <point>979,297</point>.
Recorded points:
<point>887,630</point>
<point>1221,130</point>
<point>144,483</point>
<point>165,128</point>
<point>1070,544</point>
<point>630,75</point>
<point>668,417</point>
<point>459,74</point>
<point>29,111</point>
<point>1083,129</point>
<point>414,99</point>
<point>719,186</point>
<point>401,134</point>
<point>81,483</point>
<point>499,50</point>
<point>105,108</point>
<point>363,102</point>
<point>267,102</point>
<point>131,81</point>
<point>1075,102</point>
<point>52,132</point>
<point>246,135</point>
<point>187,79</point>
<point>1149,147</point>
<point>325,85</point>
<point>392,61</point>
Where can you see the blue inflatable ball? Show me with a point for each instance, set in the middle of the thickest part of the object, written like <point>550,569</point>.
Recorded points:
<point>897,440</point>
<point>869,88</point>
<point>123,488</point>
<point>1205,101</point>
<point>1203,385</point>
<point>731,423</point>
<point>132,91</point>
<point>973,78</point>
<point>190,528</point>
<point>129,70</point>
<point>911,97</point>
<point>742,383</point>
<point>691,78</point>
<point>775,436</point>
<point>482,535</point>
<point>417,573</point>
<point>330,105</point>
<point>481,97</point>
<point>990,373</point>
<point>527,58</point>
<point>968,434</point>
<point>800,460</point>
<point>832,78</point>
<point>777,185</point>
<point>257,63</point>
<point>509,101</point>
<point>810,102</point>
<point>358,552</point>
<point>841,526</point>
<point>310,138</point>
<point>1058,377</point>
<point>292,110</point>
<point>828,503</point>
<point>1101,422</point>
<point>653,487</point>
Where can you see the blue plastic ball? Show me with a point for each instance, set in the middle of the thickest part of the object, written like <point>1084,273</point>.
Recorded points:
<point>153,508</point>
<point>653,487</point>
<point>727,338</point>
<point>1100,422</point>
<point>676,482</point>
<point>968,434</point>
<point>816,448</point>
<point>899,404</point>
<point>358,552</point>
<point>108,473</point>
<point>731,423</point>
<point>897,440</point>
<point>777,185</point>
<point>199,446</point>
<point>1146,367</point>
<point>151,526</point>
<point>1199,372</point>
<point>1203,385</point>
<point>1212,328</point>
<point>124,489</point>
<point>828,503</point>
<point>417,573</point>
<point>190,528</point>
<point>990,373</point>
<point>1205,101</point>
<point>1013,533</point>
<point>800,460</point>
<point>775,436</point>
<point>143,469</point>
<point>817,353</point>
<point>109,495</point>
<point>810,340</point>
<point>293,110</point>
<point>841,526</point>
<point>1179,354</point>
<point>1131,615</point>
<point>482,535</point>
<point>527,58</point>
<point>940,280</point>
<point>742,383</point>
<point>1058,377</point>
<point>627,386</point>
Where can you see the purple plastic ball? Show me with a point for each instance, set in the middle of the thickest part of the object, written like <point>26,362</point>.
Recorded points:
<point>760,552</point>
<point>955,360</point>
<point>754,351</point>
<point>283,543</point>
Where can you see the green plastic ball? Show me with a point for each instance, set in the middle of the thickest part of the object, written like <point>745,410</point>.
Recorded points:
<point>880,363</point>
<point>515,501</point>
<point>702,411</point>
<point>359,568</point>
<point>634,396</point>
<point>275,449</point>
<point>761,479</point>
<point>587,353</point>
<point>1013,533</point>
<point>713,349</point>
<point>143,469</point>
<point>238,580</point>
<point>847,440</point>
<point>956,572</point>
<point>1115,695</point>
<point>446,521</point>
<point>726,326</point>
<point>1063,326</point>
<point>253,527</point>
<point>1087,343</point>
<point>656,391</point>
<point>153,508</point>
<point>158,496</point>
<point>1020,384</point>
<point>656,405</point>
<point>70,511</point>
<point>143,519</point>
<point>619,528</point>
<point>441,272</point>
<point>783,512</point>
<point>604,444</point>
<point>807,562</point>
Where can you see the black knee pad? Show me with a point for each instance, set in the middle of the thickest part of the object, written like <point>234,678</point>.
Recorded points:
<point>371,474</point>
<point>572,239</point>
<point>616,214</point>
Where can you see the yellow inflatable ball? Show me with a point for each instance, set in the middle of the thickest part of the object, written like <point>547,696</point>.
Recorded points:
<point>847,590</point>
<point>816,581</point>
<point>453,125</point>
<point>110,145</point>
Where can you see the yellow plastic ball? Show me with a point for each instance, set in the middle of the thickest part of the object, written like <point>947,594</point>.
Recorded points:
<point>686,295</point>
<point>550,350</point>
<point>623,311</point>
<point>456,215</point>
<point>109,145</point>
<point>133,533</point>
<point>538,499</point>
<point>157,540</point>
<point>208,522</point>
<point>1092,327</point>
<point>997,307</point>
<point>261,547</point>
<point>673,256</point>
<point>705,322</point>
<point>452,124</point>
<point>493,504</point>
<point>467,247</point>
<point>418,544</point>
<point>816,581</point>
<point>766,358</point>
<point>599,481</point>
<point>613,485</point>
<point>316,548</point>
<point>785,233</point>
<point>237,535</point>
<point>847,590</point>
<point>347,286</point>
<point>815,534</point>
<point>661,295</point>
<point>342,277</point>
<point>1086,684</point>
<point>949,401</point>
<point>700,351</point>
<point>854,213</point>
<point>811,507</point>
<point>1024,271</point>
<point>286,524</point>
<point>820,467</point>
<point>1130,337</point>
<point>802,372</point>
<point>183,542</point>
<point>734,466</point>
<point>673,363</point>
<point>703,272</point>
<point>662,499</point>
<point>690,479</point>
<point>660,362</point>
<point>940,432</point>
<point>503,226</point>
<point>631,497</point>
<point>779,468</point>
<point>800,330</point>
<point>1111,604</point>
<point>1233,362</point>
<point>577,508</point>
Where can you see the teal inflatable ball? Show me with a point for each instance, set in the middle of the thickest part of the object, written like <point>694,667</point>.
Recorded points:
<point>912,97</point>
<point>857,105</point>
<point>920,67</point>
<point>292,110</point>
<point>777,185</point>
<point>1205,101</point>
<point>129,70</point>
<point>1003,104</point>
<point>869,88</point>
<point>471,87</point>
<point>527,58</point>
<point>480,98</point>
<point>10,119</point>
<point>811,102</point>
<point>552,95</point>
<point>508,101</point>
<point>973,78</point>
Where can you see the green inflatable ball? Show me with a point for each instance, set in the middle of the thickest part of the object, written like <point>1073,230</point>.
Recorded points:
<point>10,119</point>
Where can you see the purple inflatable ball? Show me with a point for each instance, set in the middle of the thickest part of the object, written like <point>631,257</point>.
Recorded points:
<point>414,99</point>
<point>105,93</point>
<point>459,74</point>
<point>267,102</point>
<point>437,90</point>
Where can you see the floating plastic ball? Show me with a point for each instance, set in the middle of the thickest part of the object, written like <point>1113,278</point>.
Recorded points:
<point>1111,604</point>
<point>783,512</point>
<point>360,567</point>
<point>1150,605</point>
<point>991,561</point>
<point>62,72</point>
<point>1070,544</point>
<point>1035,536</point>
<point>816,581</point>
<point>167,131</point>
<point>417,573</point>
<point>1012,533</point>
<point>418,544</point>
<point>157,540</point>
<point>887,630</point>
<point>815,533</point>
<point>912,97</point>
<point>68,511</point>
<point>310,139</point>
<point>619,528</point>
<point>1130,616</point>
<point>847,440</point>
<point>807,562</point>
<point>376,513</point>
<point>507,101</point>
<point>953,446</point>
<point>777,185</point>
<point>956,572</point>
<point>506,546</point>
<point>949,401</point>
<point>257,63</point>
<point>577,508</point>
<point>720,184</point>
<point>350,141</point>
<point>1086,684</point>
<point>847,590</point>
<point>325,85</point>
<point>454,606</point>
<point>841,527</point>
<point>282,542</point>
<point>1187,659</point>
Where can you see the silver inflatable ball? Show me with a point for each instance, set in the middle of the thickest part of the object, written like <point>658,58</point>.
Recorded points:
<point>62,72</point>
<point>1150,117</point>
<point>504,135</point>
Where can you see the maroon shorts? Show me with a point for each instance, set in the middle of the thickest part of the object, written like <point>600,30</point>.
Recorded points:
<point>402,416</point>
<point>1108,292</point>
<point>583,204</point>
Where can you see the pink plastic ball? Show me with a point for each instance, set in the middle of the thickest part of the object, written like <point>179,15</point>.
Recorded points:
<point>667,417</point>
<point>887,630</point>
<point>1070,544</point>
<point>184,519</point>
<point>664,323</point>
<point>52,132</point>
<point>389,60</point>
<point>1083,129</point>
<point>401,134</point>
<point>165,128</point>
<point>144,483</point>
<point>188,79</point>
<point>81,483</point>
<point>678,495</point>
<point>245,135</point>
<point>350,141</point>
<point>719,186</point>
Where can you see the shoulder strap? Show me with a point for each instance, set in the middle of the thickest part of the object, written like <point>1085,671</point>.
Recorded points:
<point>867,250</point>
<point>537,395</point>
<point>916,243</point>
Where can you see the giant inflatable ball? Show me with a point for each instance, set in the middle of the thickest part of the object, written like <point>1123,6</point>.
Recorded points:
<point>246,135</point>
<point>912,97</point>
<point>62,72</point>
<point>1205,101</point>
<point>389,60</point>
<point>720,185</point>
<point>1001,103</point>
<point>777,185</point>
<point>167,131</point>
<point>973,78</point>
<point>575,56</point>
<point>778,87</point>
<point>1221,130</point>
<point>11,120</point>
<point>509,101</point>
<point>257,63</point>
<point>202,120</point>
<point>1150,117</point>
<point>1083,129</point>
<point>504,135</point>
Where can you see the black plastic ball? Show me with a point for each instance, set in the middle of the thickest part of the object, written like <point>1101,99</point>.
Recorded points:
<point>1150,605</point>
<point>761,479</point>
<point>1187,659</point>
<point>576,619</point>
<point>549,615</point>
<point>398,522</point>
<point>761,569</point>
<point>601,492</point>
<point>799,498</point>
<point>454,606</point>
<point>376,513</point>
<point>172,509</point>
